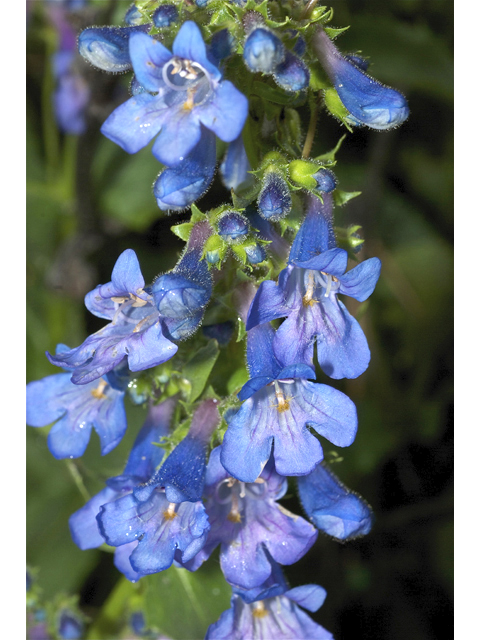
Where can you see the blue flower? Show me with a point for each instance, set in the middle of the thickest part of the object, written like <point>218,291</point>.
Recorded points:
<point>278,617</point>
<point>280,403</point>
<point>332,507</point>
<point>135,331</point>
<point>264,51</point>
<point>163,531</point>
<point>235,165</point>
<point>165,15</point>
<point>176,188</point>
<point>182,475</point>
<point>183,90</point>
<point>306,294</point>
<point>368,101</point>
<point>106,48</point>
<point>253,531</point>
<point>75,410</point>
<point>144,458</point>
<point>133,16</point>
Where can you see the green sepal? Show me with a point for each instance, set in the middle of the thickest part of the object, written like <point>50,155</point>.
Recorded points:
<point>329,157</point>
<point>197,215</point>
<point>348,239</point>
<point>336,106</point>
<point>240,252</point>
<point>342,197</point>
<point>333,32</point>
<point>182,230</point>
<point>301,172</point>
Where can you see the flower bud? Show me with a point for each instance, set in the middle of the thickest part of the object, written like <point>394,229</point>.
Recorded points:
<point>292,74</point>
<point>176,188</point>
<point>368,101</point>
<point>232,226</point>
<point>222,45</point>
<point>107,47</point>
<point>263,51</point>
<point>133,16</point>
<point>326,180</point>
<point>274,200</point>
<point>165,15</point>
<point>255,253</point>
<point>69,627</point>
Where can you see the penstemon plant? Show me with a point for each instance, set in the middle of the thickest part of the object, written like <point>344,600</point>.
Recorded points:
<point>234,350</point>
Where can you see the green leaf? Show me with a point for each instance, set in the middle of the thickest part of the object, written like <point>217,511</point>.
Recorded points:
<point>198,369</point>
<point>265,91</point>
<point>182,604</point>
<point>333,32</point>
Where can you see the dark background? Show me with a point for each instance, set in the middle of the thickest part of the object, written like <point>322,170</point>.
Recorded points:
<point>88,201</point>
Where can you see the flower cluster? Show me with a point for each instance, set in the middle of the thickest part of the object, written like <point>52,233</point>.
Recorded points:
<point>207,469</point>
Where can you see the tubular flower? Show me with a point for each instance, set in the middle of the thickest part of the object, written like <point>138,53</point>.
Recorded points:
<point>368,101</point>
<point>144,457</point>
<point>280,402</point>
<point>278,617</point>
<point>251,528</point>
<point>306,294</point>
<point>75,410</point>
<point>183,90</point>
<point>135,331</point>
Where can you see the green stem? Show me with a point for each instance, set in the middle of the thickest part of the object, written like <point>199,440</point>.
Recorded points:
<point>312,126</point>
<point>72,467</point>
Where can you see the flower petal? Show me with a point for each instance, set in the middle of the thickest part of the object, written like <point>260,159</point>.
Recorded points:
<point>148,57</point>
<point>225,113</point>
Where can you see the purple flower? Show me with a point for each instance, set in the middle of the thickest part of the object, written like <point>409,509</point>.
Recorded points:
<point>183,90</point>
<point>250,526</point>
<point>274,199</point>
<point>306,294</point>
<point>144,457</point>
<point>332,507</point>
<point>182,475</point>
<point>279,617</point>
<point>368,101</point>
<point>135,331</point>
<point>161,530</point>
<point>280,403</point>
<point>75,410</point>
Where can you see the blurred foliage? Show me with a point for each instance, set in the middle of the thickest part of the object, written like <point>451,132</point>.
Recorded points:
<point>88,201</point>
